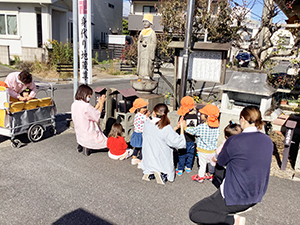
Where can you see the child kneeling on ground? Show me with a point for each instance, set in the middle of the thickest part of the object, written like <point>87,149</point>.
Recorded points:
<point>116,143</point>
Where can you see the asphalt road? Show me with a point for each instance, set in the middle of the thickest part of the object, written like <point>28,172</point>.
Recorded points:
<point>48,182</point>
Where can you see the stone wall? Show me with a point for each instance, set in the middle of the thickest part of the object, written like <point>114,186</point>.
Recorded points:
<point>32,54</point>
<point>4,54</point>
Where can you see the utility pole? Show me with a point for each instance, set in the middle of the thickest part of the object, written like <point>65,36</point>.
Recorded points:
<point>187,48</point>
<point>75,47</point>
<point>206,31</point>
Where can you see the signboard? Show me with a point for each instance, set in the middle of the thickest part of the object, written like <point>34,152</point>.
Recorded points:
<point>85,41</point>
<point>203,66</point>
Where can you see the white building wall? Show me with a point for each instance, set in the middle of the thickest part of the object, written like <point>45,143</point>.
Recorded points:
<point>27,26</point>
<point>27,34</point>
<point>46,24</point>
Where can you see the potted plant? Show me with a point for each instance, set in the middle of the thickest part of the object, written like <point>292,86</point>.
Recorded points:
<point>283,101</point>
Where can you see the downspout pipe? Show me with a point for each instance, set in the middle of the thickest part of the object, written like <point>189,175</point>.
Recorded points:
<point>187,48</point>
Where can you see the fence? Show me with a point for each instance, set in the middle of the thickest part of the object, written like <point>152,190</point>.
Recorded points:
<point>103,54</point>
<point>116,49</point>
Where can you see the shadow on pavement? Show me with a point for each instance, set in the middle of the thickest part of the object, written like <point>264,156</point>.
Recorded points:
<point>62,122</point>
<point>81,217</point>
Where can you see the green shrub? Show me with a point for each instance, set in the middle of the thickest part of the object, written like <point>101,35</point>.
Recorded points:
<point>59,52</point>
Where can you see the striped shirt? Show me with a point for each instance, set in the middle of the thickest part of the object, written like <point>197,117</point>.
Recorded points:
<point>207,137</point>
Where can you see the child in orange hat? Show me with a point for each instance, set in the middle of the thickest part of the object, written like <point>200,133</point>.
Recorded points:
<point>207,134</point>
<point>142,114</point>
<point>186,155</point>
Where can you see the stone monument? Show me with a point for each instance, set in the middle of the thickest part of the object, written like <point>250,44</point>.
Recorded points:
<point>146,56</point>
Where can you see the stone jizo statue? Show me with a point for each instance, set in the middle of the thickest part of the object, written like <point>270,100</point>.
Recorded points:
<point>146,49</point>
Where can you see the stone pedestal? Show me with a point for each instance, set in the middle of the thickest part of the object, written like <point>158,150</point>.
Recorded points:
<point>144,86</point>
<point>153,100</point>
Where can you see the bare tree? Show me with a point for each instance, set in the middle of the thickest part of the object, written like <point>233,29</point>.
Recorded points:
<point>265,33</point>
<point>225,23</point>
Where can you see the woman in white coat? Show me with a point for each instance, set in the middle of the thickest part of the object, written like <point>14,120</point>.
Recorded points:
<point>158,140</point>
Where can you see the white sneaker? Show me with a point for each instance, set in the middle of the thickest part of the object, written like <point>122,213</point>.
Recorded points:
<point>134,161</point>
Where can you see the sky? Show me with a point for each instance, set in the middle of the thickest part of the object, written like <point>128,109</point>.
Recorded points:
<point>126,8</point>
<point>255,13</point>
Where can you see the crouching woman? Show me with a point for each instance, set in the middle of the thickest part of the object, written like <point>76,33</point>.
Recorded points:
<point>86,118</point>
<point>158,140</point>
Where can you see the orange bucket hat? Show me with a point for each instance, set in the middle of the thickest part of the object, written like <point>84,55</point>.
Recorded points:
<point>138,103</point>
<point>187,103</point>
<point>3,84</point>
<point>212,113</point>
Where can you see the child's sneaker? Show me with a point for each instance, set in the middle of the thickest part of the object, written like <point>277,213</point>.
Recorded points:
<point>134,161</point>
<point>188,170</point>
<point>197,178</point>
<point>208,176</point>
<point>179,172</point>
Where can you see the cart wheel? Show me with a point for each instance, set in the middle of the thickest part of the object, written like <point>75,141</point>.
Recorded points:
<point>35,132</point>
<point>16,143</point>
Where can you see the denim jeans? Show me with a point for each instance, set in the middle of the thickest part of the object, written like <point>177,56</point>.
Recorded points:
<point>186,156</point>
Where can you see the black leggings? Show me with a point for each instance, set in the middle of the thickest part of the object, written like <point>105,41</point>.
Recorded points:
<point>213,210</point>
<point>136,152</point>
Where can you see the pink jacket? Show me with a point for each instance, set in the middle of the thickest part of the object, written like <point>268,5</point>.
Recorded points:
<point>85,118</point>
<point>15,87</point>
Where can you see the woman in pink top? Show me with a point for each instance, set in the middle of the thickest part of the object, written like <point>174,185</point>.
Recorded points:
<point>19,81</point>
<point>86,118</point>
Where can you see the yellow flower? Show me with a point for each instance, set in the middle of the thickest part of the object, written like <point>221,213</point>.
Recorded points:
<point>166,96</point>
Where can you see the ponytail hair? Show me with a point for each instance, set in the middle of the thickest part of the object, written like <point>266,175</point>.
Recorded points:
<point>232,129</point>
<point>253,115</point>
<point>161,110</point>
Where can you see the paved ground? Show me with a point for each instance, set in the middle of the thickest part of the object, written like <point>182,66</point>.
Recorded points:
<point>48,182</point>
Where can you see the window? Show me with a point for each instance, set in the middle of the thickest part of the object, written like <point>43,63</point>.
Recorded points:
<point>149,9</point>
<point>111,6</point>
<point>8,24</point>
